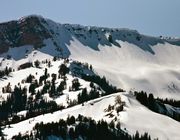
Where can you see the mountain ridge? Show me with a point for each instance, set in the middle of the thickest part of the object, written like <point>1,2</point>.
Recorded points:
<point>34,29</point>
<point>69,69</point>
<point>133,60</point>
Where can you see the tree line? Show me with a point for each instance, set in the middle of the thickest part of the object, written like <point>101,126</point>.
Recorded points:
<point>157,105</point>
<point>102,82</point>
<point>5,72</point>
<point>81,128</point>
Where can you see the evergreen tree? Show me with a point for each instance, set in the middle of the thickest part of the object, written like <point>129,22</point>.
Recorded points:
<point>37,63</point>
<point>75,84</point>
<point>63,70</point>
<point>53,88</point>
<point>90,67</point>
<point>82,97</point>
<point>110,38</point>
<point>29,78</point>
<point>54,58</point>
<point>49,64</point>
<point>151,102</point>
<point>93,94</point>
<point>45,72</point>
<point>6,71</point>
<point>61,87</point>
<point>32,88</point>
<point>70,120</point>
<point>72,134</point>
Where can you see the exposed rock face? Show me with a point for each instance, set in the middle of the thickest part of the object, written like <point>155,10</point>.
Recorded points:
<point>26,31</point>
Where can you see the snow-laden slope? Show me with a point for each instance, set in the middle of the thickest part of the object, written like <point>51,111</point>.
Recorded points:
<point>132,68</point>
<point>129,60</point>
<point>135,116</point>
<point>18,76</point>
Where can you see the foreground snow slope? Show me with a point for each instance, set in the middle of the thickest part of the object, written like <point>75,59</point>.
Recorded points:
<point>135,116</point>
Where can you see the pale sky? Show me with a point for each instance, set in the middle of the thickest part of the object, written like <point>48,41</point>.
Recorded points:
<point>150,17</point>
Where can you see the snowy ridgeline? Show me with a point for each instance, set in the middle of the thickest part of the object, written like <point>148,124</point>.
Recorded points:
<point>128,59</point>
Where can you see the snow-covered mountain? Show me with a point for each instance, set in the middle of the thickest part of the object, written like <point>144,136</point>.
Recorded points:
<point>128,59</point>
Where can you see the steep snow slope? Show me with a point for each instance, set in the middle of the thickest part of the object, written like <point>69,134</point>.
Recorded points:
<point>132,118</point>
<point>128,59</point>
<point>132,68</point>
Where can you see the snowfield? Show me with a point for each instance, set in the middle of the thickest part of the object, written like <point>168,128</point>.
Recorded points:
<point>132,68</point>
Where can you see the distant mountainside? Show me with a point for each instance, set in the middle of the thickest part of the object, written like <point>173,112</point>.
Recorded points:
<point>129,59</point>
<point>33,30</point>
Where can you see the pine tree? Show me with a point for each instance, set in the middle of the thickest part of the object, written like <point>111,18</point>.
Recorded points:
<point>63,70</point>
<point>32,88</point>
<point>75,84</point>
<point>82,97</point>
<point>110,39</point>
<point>37,63</point>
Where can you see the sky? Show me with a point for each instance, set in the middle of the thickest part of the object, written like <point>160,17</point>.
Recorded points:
<point>150,17</point>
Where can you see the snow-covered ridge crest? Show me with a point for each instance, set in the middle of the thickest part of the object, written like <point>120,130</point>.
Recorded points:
<point>12,35</point>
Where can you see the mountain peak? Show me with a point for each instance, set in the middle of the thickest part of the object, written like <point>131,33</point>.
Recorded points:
<point>35,29</point>
<point>25,31</point>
